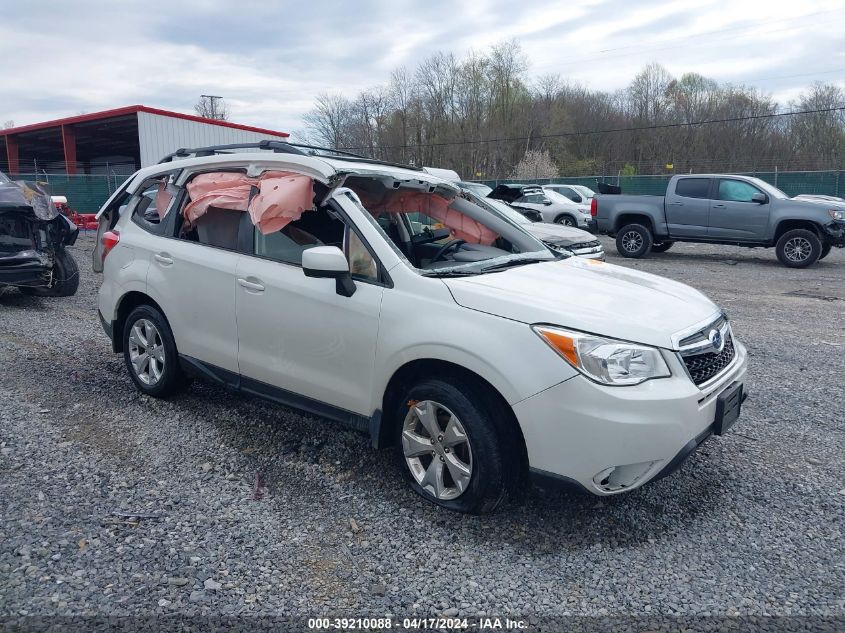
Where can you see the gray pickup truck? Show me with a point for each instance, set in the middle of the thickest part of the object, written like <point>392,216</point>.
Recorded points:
<point>722,209</point>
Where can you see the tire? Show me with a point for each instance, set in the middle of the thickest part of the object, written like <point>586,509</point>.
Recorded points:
<point>661,247</point>
<point>153,331</point>
<point>65,278</point>
<point>799,248</point>
<point>634,241</point>
<point>566,220</point>
<point>825,251</point>
<point>489,447</point>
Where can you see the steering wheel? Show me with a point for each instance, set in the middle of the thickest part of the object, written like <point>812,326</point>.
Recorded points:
<point>448,246</point>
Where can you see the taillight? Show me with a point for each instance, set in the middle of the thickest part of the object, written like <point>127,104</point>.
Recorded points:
<point>594,207</point>
<point>109,241</point>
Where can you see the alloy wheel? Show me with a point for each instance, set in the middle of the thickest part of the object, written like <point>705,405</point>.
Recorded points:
<point>632,241</point>
<point>797,249</point>
<point>146,351</point>
<point>437,450</point>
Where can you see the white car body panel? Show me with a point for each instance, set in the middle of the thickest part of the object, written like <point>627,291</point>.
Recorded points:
<point>595,297</point>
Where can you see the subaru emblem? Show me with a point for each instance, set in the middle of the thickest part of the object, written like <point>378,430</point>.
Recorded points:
<point>716,340</point>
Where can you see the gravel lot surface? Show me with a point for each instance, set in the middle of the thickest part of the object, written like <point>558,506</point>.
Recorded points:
<point>753,524</point>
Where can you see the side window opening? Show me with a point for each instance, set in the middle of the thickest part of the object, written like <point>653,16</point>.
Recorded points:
<point>693,188</point>
<point>153,202</point>
<point>736,191</point>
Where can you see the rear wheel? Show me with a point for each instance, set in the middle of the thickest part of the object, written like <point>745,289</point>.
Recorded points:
<point>566,220</point>
<point>150,353</point>
<point>661,247</point>
<point>634,240</point>
<point>825,251</point>
<point>65,278</point>
<point>456,447</point>
<point>799,248</point>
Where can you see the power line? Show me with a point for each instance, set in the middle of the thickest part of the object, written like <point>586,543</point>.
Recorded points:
<point>663,126</point>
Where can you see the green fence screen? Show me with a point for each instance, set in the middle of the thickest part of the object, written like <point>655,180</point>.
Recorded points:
<point>829,183</point>
<point>86,193</point>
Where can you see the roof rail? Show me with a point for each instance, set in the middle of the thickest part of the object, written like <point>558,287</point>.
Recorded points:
<point>277,146</point>
<point>281,147</point>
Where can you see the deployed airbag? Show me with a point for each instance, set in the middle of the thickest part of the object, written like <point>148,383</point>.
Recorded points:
<point>434,206</point>
<point>273,200</point>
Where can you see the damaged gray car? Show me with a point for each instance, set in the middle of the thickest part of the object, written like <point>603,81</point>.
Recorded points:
<point>34,237</point>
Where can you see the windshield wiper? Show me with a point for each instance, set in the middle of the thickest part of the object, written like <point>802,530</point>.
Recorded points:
<point>449,273</point>
<point>514,262</point>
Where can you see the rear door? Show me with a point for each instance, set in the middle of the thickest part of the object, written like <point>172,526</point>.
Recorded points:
<point>688,207</point>
<point>733,213</point>
<point>192,277</point>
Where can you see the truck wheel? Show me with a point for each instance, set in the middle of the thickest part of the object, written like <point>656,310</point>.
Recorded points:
<point>634,240</point>
<point>149,351</point>
<point>65,278</point>
<point>825,251</point>
<point>565,220</point>
<point>456,448</point>
<point>799,248</point>
<point>661,247</point>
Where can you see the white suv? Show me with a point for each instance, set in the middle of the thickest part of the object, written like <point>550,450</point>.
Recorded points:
<point>378,296</point>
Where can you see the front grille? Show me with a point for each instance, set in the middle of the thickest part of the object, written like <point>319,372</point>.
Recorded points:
<point>701,335</point>
<point>702,367</point>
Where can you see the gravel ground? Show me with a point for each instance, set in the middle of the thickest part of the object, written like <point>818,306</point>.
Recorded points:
<point>753,524</point>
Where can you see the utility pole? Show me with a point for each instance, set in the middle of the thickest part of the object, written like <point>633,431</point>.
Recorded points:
<point>213,101</point>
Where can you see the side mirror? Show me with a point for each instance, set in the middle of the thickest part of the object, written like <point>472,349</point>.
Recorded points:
<point>548,203</point>
<point>759,198</point>
<point>329,262</point>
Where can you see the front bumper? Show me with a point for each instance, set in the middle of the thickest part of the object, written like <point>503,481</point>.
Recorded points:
<point>835,232</point>
<point>609,440</point>
<point>25,268</point>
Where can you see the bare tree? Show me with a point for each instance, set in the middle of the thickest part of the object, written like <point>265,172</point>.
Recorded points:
<point>482,116</point>
<point>534,165</point>
<point>212,107</point>
<point>8,124</point>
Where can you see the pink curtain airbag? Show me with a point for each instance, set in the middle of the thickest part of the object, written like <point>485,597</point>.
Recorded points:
<point>462,226</point>
<point>282,197</point>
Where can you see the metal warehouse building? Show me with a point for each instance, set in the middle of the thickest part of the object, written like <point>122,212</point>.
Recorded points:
<point>115,142</point>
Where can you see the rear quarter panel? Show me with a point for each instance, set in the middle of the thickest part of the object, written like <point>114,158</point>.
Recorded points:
<point>611,207</point>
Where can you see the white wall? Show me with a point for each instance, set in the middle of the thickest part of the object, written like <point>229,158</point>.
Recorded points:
<point>162,135</point>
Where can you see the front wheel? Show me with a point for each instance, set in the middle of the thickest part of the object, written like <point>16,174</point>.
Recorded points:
<point>64,278</point>
<point>149,351</point>
<point>661,247</point>
<point>565,220</point>
<point>799,248</point>
<point>457,448</point>
<point>634,240</point>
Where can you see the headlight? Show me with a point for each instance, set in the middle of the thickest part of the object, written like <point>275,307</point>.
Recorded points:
<point>607,361</point>
<point>836,214</point>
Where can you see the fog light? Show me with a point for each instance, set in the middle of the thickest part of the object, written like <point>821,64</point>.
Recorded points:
<point>618,478</point>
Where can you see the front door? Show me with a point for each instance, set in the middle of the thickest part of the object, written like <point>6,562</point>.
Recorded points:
<point>733,213</point>
<point>296,333</point>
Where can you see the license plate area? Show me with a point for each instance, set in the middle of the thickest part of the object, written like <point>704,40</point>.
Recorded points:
<point>728,407</point>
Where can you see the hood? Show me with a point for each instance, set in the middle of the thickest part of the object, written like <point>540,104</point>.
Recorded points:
<point>590,296</point>
<point>558,234</point>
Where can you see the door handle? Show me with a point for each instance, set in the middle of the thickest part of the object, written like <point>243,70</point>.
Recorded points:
<point>163,258</point>
<point>676,204</point>
<point>251,285</point>
<point>718,206</point>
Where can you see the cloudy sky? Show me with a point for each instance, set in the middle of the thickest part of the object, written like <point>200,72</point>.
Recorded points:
<point>270,59</point>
